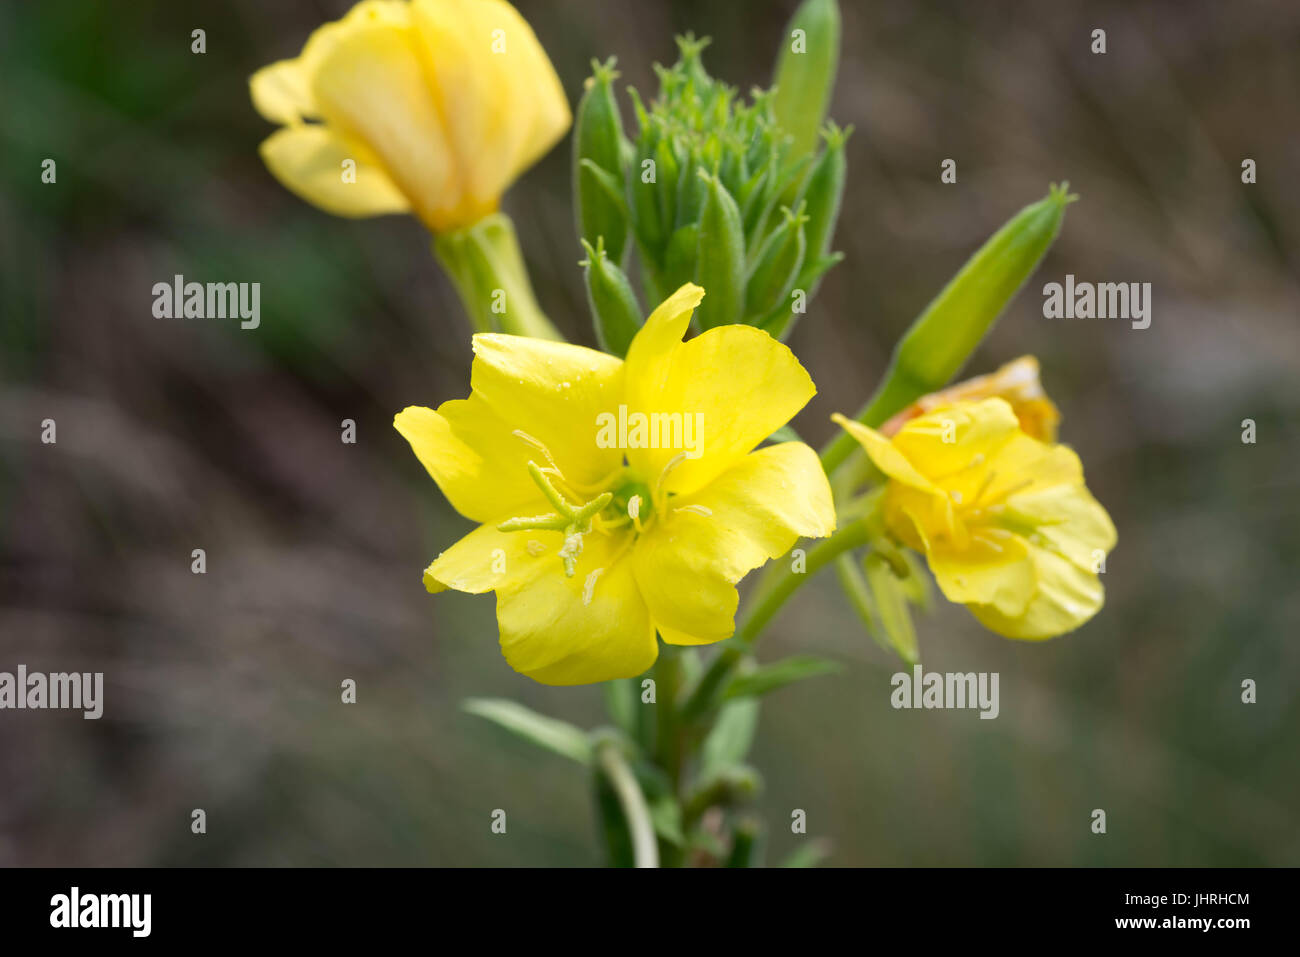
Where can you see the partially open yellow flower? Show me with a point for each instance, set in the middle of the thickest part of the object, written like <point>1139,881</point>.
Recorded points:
<point>432,107</point>
<point>1017,382</point>
<point>593,543</point>
<point>1005,521</point>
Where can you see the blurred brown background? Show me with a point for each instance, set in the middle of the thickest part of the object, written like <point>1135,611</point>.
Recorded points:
<point>222,690</point>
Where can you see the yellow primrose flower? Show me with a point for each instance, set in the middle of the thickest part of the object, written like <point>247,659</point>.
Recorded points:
<point>1005,521</point>
<point>1017,382</point>
<point>593,543</point>
<point>432,107</point>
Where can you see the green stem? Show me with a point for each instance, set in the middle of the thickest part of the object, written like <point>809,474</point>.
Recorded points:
<point>645,847</point>
<point>894,395</point>
<point>488,270</point>
<point>668,738</point>
<point>776,585</point>
<point>781,581</point>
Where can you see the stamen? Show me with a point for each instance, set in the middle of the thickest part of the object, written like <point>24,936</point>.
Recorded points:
<point>571,550</point>
<point>535,443</point>
<point>697,509</point>
<point>675,461</point>
<point>589,585</point>
<point>634,512</point>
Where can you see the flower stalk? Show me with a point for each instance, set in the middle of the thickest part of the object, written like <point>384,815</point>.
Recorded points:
<point>485,265</point>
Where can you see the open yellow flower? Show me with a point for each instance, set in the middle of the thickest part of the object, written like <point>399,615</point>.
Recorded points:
<point>592,547</point>
<point>1005,521</point>
<point>432,107</point>
<point>1017,382</point>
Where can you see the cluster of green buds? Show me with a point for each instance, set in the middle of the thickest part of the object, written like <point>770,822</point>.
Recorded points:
<point>732,195</point>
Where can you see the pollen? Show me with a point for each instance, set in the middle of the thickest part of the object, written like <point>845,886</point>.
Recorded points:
<point>589,586</point>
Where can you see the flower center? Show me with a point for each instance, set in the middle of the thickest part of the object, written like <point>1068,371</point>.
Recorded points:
<point>620,499</point>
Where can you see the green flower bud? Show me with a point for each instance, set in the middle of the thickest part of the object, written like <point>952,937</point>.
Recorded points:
<point>615,312</point>
<point>947,332</point>
<point>805,73</point>
<point>942,338</point>
<point>720,260</point>
<point>775,268</point>
<point>598,142</point>
<point>823,192</point>
<point>643,188</point>
<point>679,260</point>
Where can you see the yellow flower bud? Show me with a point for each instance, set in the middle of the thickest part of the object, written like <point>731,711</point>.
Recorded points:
<point>1017,382</point>
<point>1005,521</point>
<point>431,107</point>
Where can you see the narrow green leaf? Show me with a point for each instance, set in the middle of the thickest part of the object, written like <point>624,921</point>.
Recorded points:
<point>810,855</point>
<point>622,698</point>
<point>767,678</point>
<point>891,605</point>
<point>666,816</point>
<point>731,736</point>
<point>549,733</point>
<point>860,598</point>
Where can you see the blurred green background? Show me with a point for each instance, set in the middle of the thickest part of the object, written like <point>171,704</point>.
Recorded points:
<point>222,690</point>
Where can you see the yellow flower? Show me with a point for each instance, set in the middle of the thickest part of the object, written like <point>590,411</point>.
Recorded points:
<point>1005,521</point>
<point>1017,382</point>
<point>432,107</point>
<point>592,547</point>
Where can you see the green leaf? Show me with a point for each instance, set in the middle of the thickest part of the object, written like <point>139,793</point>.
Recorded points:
<point>810,855</point>
<point>666,816</point>
<point>785,433</point>
<point>891,606</point>
<point>549,733</point>
<point>731,736</point>
<point>860,598</point>
<point>768,678</point>
<point>622,698</point>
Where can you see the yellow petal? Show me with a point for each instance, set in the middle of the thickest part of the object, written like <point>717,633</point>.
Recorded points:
<point>282,94</point>
<point>499,96</point>
<point>479,465</point>
<point>1068,520</point>
<point>953,446</point>
<point>650,354</point>
<point>1065,597</point>
<point>308,160</point>
<point>994,570</point>
<point>739,383</point>
<point>688,562</point>
<point>553,392</point>
<point>487,559</point>
<point>368,80</point>
<point>886,458</point>
<point>1018,382</point>
<point>591,627</point>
